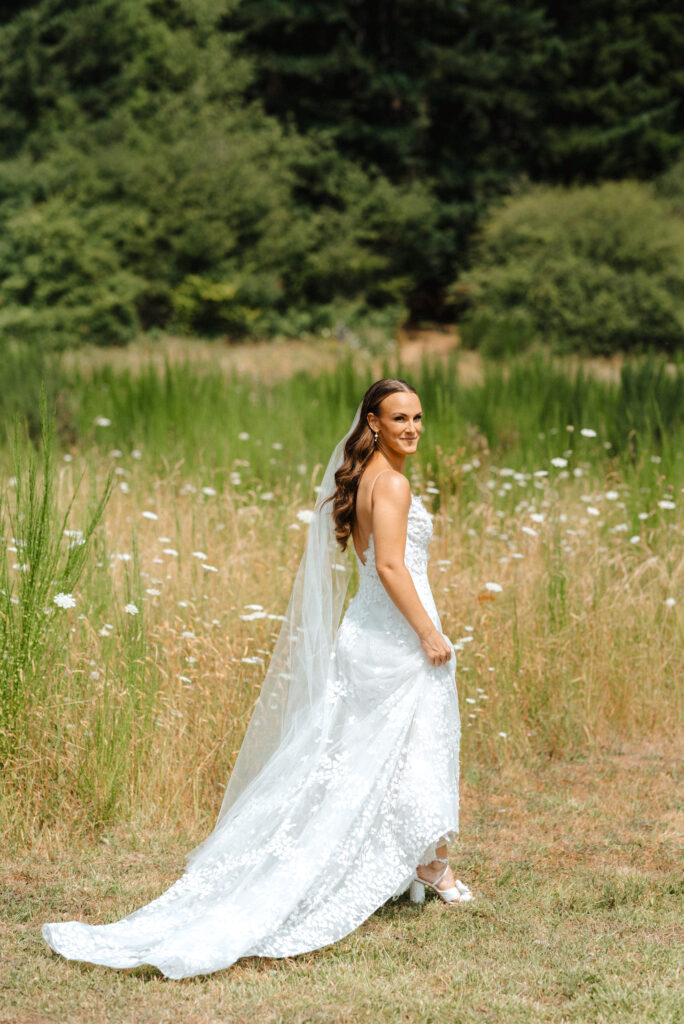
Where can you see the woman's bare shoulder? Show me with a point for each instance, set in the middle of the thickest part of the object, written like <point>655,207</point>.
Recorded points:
<point>389,484</point>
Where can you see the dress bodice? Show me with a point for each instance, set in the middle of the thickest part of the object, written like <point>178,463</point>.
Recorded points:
<point>418,536</point>
<point>372,594</point>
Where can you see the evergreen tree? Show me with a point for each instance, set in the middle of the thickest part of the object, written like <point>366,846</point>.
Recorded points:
<point>612,104</point>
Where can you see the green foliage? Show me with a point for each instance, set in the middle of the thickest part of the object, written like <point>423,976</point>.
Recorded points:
<point>64,281</point>
<point>611,95</point>
<point>595,269</point>
<point>246,167</point>
<point>26,371</point>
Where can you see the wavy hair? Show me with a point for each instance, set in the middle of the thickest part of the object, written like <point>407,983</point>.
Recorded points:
<point>357,452</point>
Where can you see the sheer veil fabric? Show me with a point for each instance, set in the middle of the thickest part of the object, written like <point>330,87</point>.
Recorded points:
<point>294,684</point>
<point>347,778</point>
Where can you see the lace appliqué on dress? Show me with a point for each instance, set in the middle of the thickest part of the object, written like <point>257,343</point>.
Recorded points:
<point>334,824</point>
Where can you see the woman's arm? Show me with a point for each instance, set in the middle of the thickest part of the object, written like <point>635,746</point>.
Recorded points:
<point>389,519</point>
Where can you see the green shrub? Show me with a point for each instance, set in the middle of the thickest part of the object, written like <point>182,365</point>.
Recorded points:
<point>62,279</point>
<point>595,269</point>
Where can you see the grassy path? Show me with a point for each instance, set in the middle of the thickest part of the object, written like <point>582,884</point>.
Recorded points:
<point>579,919</point>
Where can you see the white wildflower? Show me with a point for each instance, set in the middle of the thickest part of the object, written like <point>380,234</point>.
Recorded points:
<point>635,539</point>
<point>153,592</point>
<point>529,531</point>
<point>266,496</point>
<point>495,588</point>
<point>592,511</point>
<point>102,421</point>
<point>64,600</point>
<point>666,504</point>
<point>670,602</point>
<point>587,432</point>
<point>559,462</point>
<point>612,495</point>
<point>150,515</point>
<point>131,609</point>
<point>305,515</point>
<point>209,491</point>
<point>243,436</point>
<point>209,568</point>
<point>170,551</point>
<point>200,554</point>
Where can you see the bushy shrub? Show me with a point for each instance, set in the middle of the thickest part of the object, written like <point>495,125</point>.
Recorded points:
<point>62,281</point>
<point>594,268</point>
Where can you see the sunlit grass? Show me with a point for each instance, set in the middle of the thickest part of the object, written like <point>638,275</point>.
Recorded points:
<point>557,564</point>
<point>578,917</point>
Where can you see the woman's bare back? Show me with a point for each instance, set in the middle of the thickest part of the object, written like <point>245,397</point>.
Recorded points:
<point>363,512</point>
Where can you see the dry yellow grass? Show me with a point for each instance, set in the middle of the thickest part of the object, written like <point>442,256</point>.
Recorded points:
<point>270,361</point>
<point>570,664</point>
<point>576,867</point>
<point>578,650</point>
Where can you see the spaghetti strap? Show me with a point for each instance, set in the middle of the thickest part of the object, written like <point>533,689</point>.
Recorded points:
<point>370,496</point>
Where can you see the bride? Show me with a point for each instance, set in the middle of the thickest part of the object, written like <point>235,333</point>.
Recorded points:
<point>345,790</point>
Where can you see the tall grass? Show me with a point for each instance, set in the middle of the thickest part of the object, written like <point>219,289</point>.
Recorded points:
<point>43,563</point>
<point>557,564</point>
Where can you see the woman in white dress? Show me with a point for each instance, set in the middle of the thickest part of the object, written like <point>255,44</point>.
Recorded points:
<point>345,790</point>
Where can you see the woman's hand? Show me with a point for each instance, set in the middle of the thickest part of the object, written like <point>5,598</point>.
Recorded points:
<point>436,648</point>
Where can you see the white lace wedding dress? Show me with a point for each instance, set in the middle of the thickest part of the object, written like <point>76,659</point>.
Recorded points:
<point>332,826</point>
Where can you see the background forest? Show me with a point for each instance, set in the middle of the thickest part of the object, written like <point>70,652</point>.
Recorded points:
<point>248,168</point>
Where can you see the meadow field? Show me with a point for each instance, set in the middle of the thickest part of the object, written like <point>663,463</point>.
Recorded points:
<point>150,537</point>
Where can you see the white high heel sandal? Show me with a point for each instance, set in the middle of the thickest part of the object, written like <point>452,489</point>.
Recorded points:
<point>459,893</point>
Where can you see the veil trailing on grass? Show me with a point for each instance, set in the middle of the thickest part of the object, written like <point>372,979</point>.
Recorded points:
<point>346,780</point>
<point>291,699</point>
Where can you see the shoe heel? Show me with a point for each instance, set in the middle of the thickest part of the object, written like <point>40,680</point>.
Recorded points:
<point>417,892</point>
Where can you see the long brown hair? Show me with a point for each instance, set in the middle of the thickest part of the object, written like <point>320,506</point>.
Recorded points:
<point>357,452</point>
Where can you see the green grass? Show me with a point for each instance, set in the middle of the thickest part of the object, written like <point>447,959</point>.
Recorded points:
<point>578,919</point>
<point>119,729</point>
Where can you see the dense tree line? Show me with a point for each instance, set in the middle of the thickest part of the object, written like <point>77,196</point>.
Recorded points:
<point>251,166</point>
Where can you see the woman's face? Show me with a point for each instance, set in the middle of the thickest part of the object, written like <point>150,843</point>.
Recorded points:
<point>399,422</point>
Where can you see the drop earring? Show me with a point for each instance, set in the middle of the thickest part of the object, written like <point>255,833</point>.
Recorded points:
<point>375,438</point>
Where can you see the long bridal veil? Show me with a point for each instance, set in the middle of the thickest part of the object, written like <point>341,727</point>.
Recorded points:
<point>346,779</point>
<point>291,701</point>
